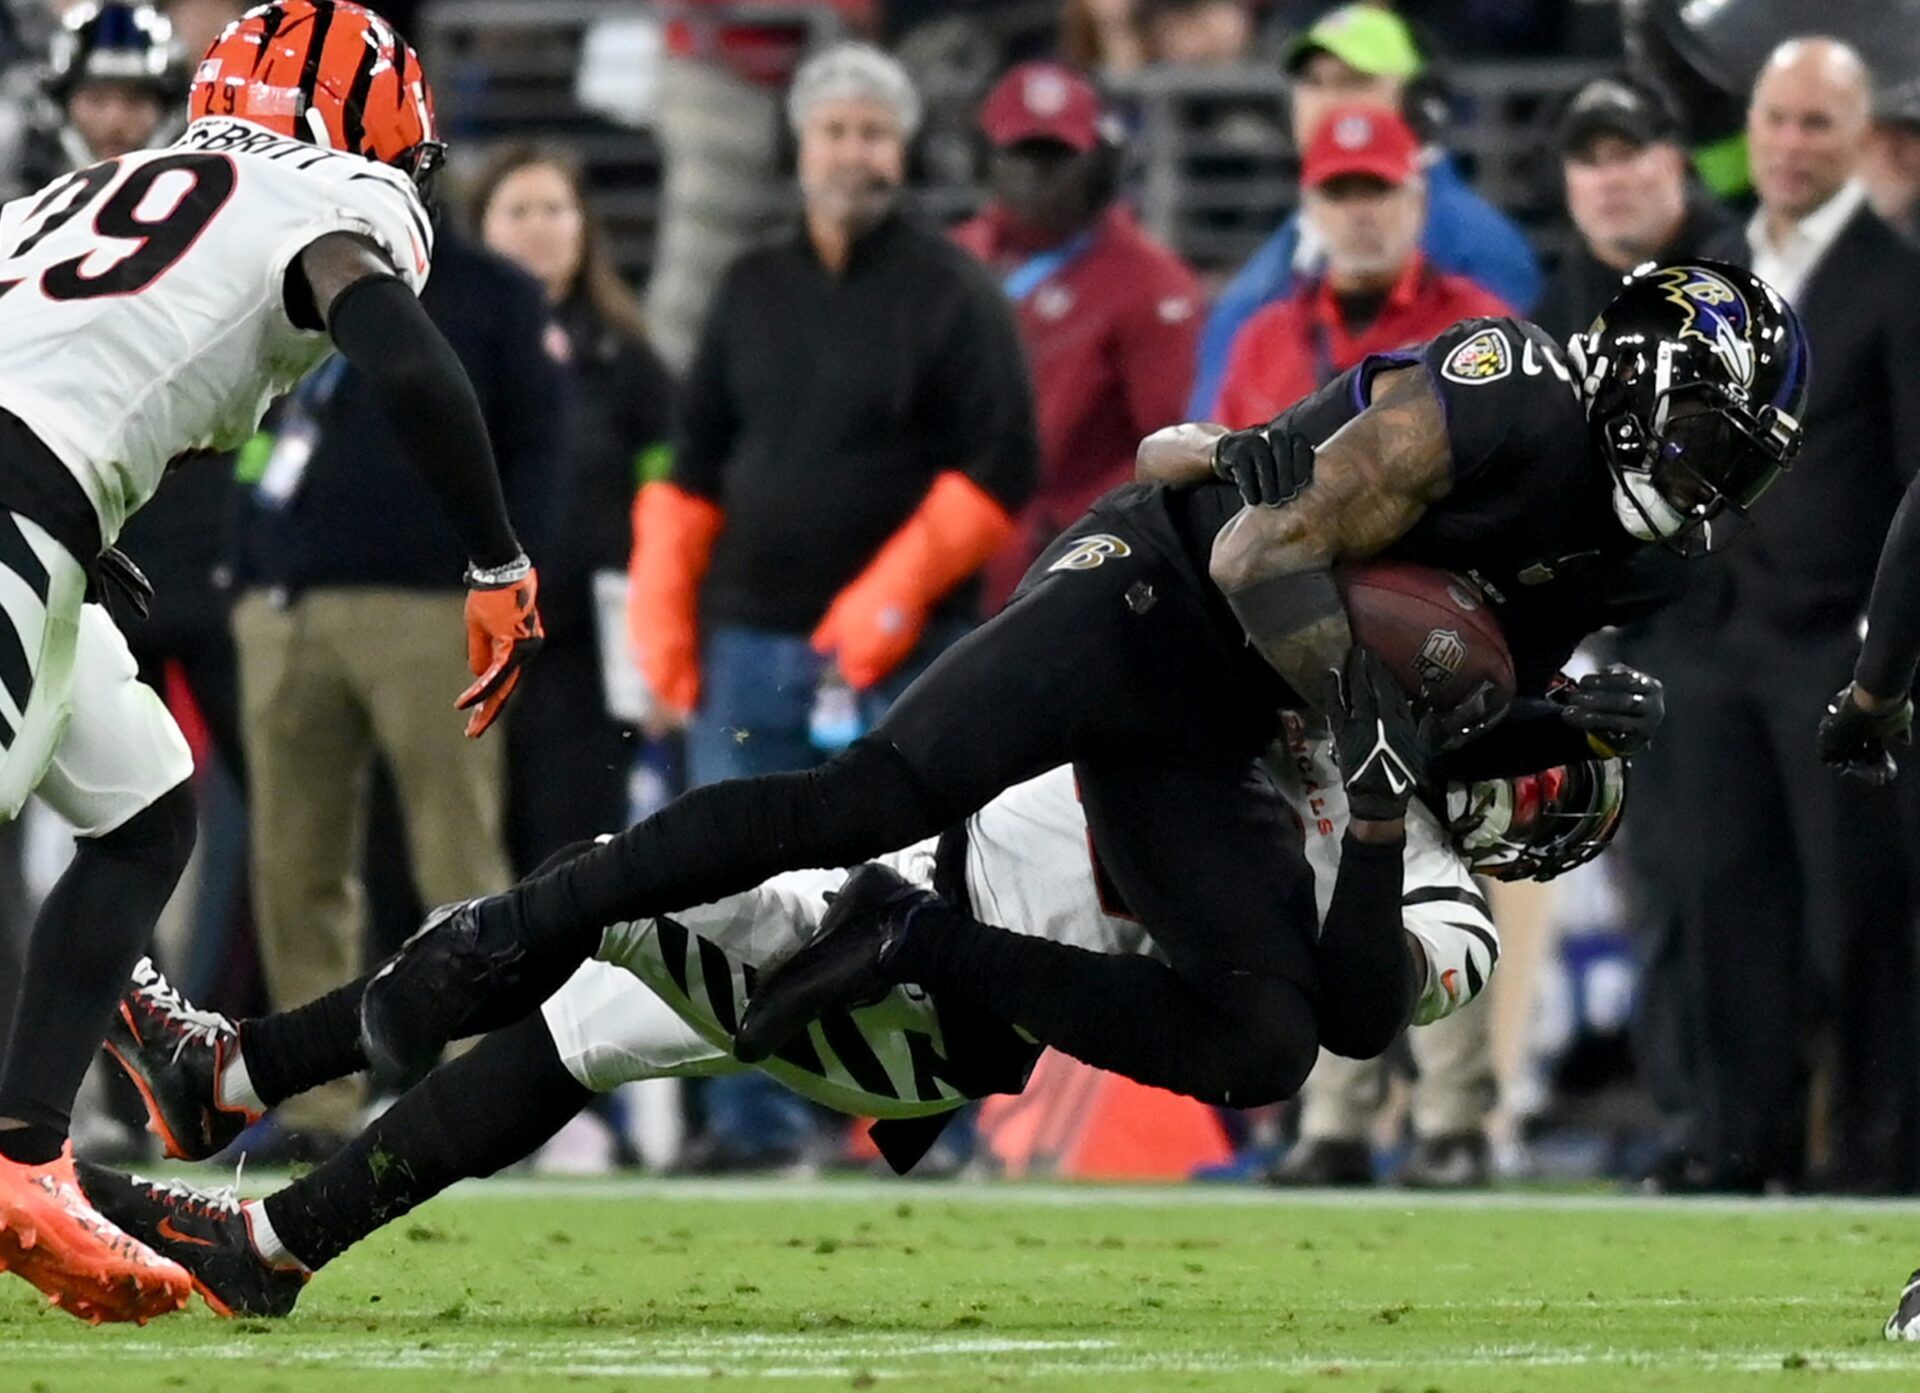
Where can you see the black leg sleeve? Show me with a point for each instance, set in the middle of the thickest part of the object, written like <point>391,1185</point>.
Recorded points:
<point>1234,1039</point>
<point>1367,982</point>
<point>1115,657</point>
<point>289,1052</point>
<point>719,840</point>
<point>91,931</point>
<point>490,1107</point>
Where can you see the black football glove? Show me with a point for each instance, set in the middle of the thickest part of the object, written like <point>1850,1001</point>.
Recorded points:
<point>1617,707</point>
<point>1268,464</point>
<point>1860,743</point>
<point>1382,748</point>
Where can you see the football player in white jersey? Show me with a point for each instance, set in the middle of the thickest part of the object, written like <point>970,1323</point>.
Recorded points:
<point>153,305</point>
<point>664,996</point>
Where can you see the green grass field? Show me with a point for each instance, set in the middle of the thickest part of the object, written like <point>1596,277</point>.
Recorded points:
<point>515,1285</point>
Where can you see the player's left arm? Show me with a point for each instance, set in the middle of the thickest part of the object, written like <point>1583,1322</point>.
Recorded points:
<point>1371,482</point>
<point>1178,456</point>
<point>348,286</point>
<point>1370,975</point>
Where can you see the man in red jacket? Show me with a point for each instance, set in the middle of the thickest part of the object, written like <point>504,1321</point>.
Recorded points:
<point>1108,315</point>
<point>1363,194</point>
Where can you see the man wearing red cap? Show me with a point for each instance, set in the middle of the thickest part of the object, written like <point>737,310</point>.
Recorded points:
<point>1363,196</point>
<point>1109,316</point>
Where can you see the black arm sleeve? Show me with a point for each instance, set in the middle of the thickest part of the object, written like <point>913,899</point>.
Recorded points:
<point>1367,982</point>
<point>381,329</point>
<point>1892,648</point>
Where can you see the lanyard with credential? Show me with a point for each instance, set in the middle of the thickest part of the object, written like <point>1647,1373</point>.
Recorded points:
<point>298,434</point>
<point>1036,271</point>
<point>1323,369</point>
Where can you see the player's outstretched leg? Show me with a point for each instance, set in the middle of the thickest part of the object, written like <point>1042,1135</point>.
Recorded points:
<point>1236,1040</point>
<point>496,958</point>
<point>494,1105</point>
<point>206,1228</point>
<point>205,1078</point>
<point>87,937</point>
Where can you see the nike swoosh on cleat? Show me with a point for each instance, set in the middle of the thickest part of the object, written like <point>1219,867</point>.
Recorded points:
<point>166,1230</point>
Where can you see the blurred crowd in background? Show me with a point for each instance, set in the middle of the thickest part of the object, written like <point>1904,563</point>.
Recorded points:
<point>764,390</point>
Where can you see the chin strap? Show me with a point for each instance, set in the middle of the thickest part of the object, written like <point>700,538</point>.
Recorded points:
<point>1641,508</point>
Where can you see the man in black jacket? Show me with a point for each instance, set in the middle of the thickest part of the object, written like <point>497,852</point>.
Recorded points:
<point>856,440</point>
<point>1629,197</point>
<point>1799,896</point>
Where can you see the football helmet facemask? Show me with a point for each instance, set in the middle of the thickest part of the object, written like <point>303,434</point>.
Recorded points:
<point>1538,826</point>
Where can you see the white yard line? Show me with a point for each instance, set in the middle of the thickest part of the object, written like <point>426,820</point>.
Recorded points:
<point>889,1355</point>
<point>1047,1195</point>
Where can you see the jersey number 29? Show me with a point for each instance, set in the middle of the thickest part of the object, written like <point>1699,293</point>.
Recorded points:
<point>163,240</point>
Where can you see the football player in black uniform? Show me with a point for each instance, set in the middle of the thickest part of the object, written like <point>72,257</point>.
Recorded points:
<point>1872,716</point>
<point>1151,647</point>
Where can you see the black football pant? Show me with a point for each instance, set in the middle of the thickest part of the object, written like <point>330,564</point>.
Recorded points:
<point>1799,913</point>
<point>1656,858</point>
<point>1111,662</point>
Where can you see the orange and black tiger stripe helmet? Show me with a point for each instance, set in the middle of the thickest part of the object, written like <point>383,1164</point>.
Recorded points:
<point>330,72</point>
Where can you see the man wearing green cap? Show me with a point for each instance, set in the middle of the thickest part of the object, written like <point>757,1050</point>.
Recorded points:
<point>1363,53</point>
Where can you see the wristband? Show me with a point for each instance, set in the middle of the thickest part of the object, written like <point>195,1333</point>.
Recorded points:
<point>499,577</point>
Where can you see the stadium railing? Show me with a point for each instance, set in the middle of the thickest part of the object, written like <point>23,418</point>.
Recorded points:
<point>1210,168</point>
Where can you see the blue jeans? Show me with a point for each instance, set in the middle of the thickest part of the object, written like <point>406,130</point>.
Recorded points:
<point>756,704</point>
<point>757,700</point>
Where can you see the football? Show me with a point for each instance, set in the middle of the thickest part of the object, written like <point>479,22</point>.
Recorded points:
<point>1433,628</point>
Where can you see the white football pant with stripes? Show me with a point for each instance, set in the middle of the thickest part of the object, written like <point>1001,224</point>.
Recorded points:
<point>664,996</point>
<point>76,723</point>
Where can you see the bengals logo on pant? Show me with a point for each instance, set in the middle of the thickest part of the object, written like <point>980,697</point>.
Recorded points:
<point>1090,552</point>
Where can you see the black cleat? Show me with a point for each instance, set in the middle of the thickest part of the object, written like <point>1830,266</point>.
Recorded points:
<point>174,1055</point>
<point>1324,1161</point>
<point>1904,1323</point>
<point>424,997</point>
<point>202,1230</point>
<point>841,969</point>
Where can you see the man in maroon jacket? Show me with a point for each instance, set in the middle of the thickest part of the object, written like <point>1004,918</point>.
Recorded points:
<point>1109,316</point>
